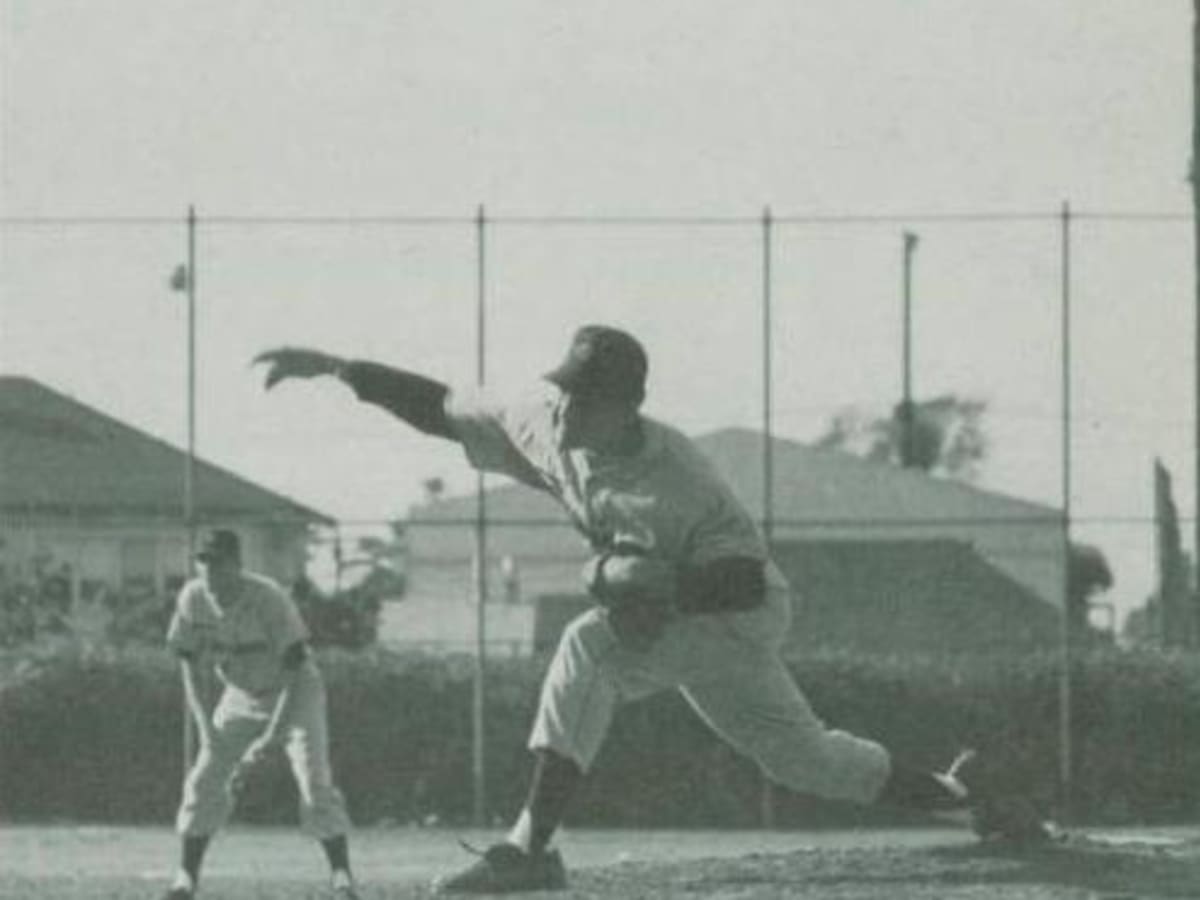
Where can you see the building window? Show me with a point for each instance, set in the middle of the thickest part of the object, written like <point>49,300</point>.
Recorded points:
<point>139,565</point>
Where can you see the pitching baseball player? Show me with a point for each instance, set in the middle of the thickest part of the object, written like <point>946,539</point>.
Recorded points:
<point>687,597</point>
<point>245,626</point>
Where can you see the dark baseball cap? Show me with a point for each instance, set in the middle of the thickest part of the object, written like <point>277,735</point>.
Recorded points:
<point>603,362</point>
<point>219,544</point>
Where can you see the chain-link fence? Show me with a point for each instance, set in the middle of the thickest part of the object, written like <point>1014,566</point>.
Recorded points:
<point>1055,346</point>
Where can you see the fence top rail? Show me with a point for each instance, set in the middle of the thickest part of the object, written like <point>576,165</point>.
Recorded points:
<point>601,220</point>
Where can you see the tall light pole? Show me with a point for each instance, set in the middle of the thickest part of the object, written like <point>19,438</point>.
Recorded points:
<point>184,279</point>
<point>907,413</point>
<point>190,480</point>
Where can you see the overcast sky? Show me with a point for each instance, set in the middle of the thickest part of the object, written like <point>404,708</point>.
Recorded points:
<point>904,108</point>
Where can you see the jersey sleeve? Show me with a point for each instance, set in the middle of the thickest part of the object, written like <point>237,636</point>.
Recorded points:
<point>509,437</point>
<point>725,530</point>
<point>183,634</point>
<point>284,624</point>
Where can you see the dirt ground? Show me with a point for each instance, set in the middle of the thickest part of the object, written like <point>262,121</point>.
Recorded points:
<point>1076,867</point>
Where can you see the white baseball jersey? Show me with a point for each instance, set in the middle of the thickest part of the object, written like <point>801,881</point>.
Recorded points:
<point>247,638</point>
<point>666,499</point>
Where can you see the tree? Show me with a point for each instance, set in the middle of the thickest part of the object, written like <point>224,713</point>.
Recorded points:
<point>382,558</point>
<point>1171,614</point>
<point>1141,625</point>
<point>947,436</point>
<point>1088,574</point>
<point>349,615</point>
<point>348,618</point>
<point>948,439</point>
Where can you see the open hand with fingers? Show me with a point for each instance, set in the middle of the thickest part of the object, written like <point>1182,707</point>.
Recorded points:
<point>296,362</point>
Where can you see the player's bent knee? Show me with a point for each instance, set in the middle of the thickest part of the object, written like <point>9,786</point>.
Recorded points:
<point>209,778</point>
<point>828,763</point>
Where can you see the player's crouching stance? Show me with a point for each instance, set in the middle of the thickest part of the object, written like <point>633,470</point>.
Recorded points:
<point>687,597</point>
<point>250,630</point>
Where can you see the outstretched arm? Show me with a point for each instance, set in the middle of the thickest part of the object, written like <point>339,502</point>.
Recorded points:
<point>418,400</point>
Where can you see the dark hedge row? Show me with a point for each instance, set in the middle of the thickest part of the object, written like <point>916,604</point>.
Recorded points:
<point>98,738</point>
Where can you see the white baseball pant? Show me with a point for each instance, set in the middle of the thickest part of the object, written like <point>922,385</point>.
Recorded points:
<point>728,667</point>
<point>238,719</point>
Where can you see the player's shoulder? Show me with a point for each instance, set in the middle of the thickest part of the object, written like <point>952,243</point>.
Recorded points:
<point>194,604</point>
<point>261,584</point>
<point>686,469</point>
<point>190,593</point>
<point>527,413</point>
<point>534,407</point>
<point>473,400</point>
<point>675,447</point>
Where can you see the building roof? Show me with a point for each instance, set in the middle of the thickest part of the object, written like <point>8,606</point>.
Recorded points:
<point>810,486</point>
<point>60,456</point>
<point>907,595</point>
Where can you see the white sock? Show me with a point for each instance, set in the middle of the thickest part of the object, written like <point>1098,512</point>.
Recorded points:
<point>521,834</point>
<point>341,878</point>
<point>952,784</point>
<point>182,880</point>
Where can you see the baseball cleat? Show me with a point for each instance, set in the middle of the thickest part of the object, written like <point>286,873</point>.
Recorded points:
<point>998,812</point>
<point>506,869</point>
<point>341,886</point>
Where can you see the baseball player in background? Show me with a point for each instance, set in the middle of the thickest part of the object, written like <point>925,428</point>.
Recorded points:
<point>245,626</point>
<point>686,597</point>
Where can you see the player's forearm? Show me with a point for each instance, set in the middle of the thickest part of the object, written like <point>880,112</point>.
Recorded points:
<point>418,400</point>
<point>296,665</point>
<point>282,710</point>
<point>191,691</point>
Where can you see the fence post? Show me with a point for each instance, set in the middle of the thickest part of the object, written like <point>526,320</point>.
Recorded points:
<point>767,795</point>
<point>481,582</point>
<point>1066,748</point>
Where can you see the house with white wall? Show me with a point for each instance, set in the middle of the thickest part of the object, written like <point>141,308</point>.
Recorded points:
<point>100,502</point>
<point>938,540</point>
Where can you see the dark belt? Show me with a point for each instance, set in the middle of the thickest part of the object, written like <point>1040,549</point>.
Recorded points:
<point>690,603</point>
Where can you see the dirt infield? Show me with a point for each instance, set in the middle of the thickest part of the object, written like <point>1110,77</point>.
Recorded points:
<point>1077,868</point>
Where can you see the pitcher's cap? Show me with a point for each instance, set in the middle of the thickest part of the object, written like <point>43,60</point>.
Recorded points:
<point>218,544</point>
<point>603,362</point>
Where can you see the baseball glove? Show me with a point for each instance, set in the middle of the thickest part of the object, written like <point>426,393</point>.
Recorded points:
<point>637,592</point>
